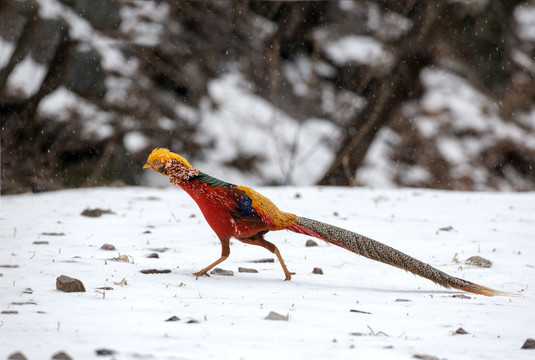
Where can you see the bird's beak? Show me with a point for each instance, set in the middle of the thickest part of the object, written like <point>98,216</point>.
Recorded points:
<point>147,166</point>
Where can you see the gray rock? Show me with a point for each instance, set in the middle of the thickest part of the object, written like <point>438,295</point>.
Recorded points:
<point>68,284</point>
<point>478,261</point>
<point>223,272</point>
<point>311,243</point>
<point>276,316</point>
<point>360,311</point>
<point>529,344</point>
<point>425,357</point>
<point>61,356</point>
<point>96,212</point>
<point>155,271</point>
<point>461,296</point>
<point>259,261</point>
<point>17,356</point>
<point>104,352</point>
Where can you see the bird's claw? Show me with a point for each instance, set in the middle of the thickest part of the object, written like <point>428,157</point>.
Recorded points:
<point>289,276</point>
<point>201,273</point>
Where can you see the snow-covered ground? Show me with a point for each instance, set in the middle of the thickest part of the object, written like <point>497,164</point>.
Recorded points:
<point>396,315</point>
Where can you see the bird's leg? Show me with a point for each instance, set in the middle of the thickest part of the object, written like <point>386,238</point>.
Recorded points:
<point>259,240</point>
<point>225,252</point>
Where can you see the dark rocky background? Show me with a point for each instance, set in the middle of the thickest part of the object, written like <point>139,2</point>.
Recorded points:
<point>127,64</point>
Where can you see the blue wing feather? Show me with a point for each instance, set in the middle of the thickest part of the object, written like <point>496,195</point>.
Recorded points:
<point>245,207</point>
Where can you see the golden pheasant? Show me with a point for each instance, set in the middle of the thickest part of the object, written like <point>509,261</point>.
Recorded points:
<point>242,213</point>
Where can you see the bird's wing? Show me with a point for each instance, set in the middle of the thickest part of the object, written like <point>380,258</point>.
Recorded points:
<point>243,207</point>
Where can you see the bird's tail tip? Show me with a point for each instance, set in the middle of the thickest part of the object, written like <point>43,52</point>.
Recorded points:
<point>486,291</point>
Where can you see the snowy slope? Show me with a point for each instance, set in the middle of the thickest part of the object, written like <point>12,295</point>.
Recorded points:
<point>230,311</point>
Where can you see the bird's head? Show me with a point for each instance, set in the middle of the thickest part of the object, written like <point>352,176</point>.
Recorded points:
<point>159,159</point>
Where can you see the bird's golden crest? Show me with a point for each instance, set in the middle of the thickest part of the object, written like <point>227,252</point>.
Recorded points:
<point>162,156</point>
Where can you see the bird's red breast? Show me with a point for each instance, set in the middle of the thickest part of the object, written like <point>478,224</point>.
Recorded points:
<point>225,209</point>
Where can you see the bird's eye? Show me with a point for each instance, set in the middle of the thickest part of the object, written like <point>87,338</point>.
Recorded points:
<point>155,162</point>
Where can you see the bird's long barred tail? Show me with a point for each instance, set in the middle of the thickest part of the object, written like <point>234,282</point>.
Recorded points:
<point>375,250</point>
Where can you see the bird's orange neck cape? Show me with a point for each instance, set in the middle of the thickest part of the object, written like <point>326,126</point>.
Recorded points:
<point>217,198</point>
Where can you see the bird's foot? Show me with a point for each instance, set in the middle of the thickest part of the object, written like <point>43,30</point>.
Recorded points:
<point>201,273</point>
<point>289,276</point>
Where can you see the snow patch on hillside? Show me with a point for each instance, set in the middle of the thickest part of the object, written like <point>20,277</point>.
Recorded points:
<point>26,78</point>
<point>237,123</point>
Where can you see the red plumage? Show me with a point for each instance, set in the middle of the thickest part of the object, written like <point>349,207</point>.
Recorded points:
<point>220,207</point>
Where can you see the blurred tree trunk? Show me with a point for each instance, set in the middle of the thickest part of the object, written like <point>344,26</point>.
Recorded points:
<point>476,34</point>
<point>386,93</point>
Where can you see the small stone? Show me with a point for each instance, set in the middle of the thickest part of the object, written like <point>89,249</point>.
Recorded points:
<point>153,256</point>
<point>528,344</point>
<point>9,312</point>
<point>461,296</point>
<point>222,272</point>
<point>276,316</point>
<point>28,291</point>
<point>425,357</point>
<point>317,270</point>
<point>108,247</point>
<point>461,331</point>
<point>17,356</point>
<point>247,270</point>
<point>446,228</point>
<point>104,352</point>
<point>173,318</point>
<point>96,212</point>
<point>123,258</point>
<point>147,232</point>
<point>259,261</point>
<point>155,271</point>
<point>23,303</point>
<point>311,243</point>
<point>360,311</point>
<point>68,284</point>
<point>105,288</point>
<point>192,321</point>
<point>61,356</point>
<point>40,242</point>
<point>403,300</point>
<point>478,261</point>
<point>53,234</point>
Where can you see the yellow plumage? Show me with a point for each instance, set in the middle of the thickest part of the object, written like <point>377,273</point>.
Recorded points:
<point>163,155</point>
